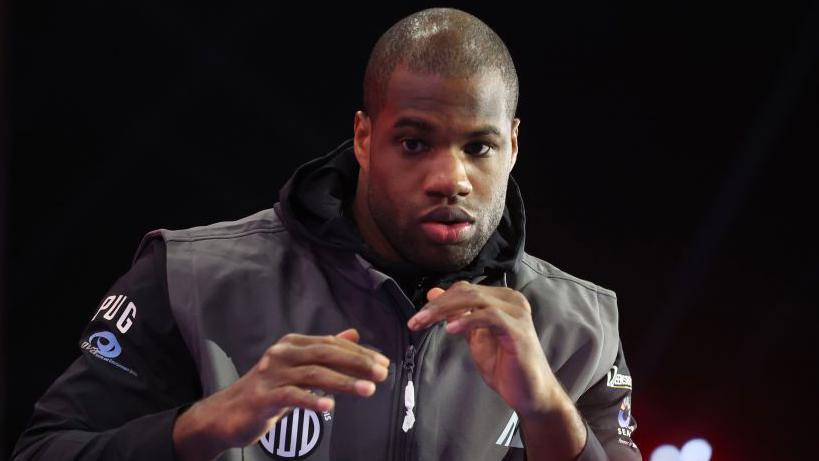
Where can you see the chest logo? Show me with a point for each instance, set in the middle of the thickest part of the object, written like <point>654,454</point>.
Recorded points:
<point>617,380</point>
<point>510,436</point>
<point>295,436</point>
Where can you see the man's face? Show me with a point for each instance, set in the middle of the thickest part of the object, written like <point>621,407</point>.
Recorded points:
<point>434,167</point>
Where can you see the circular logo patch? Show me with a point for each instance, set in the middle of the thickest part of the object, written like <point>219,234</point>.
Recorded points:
<point>624,415</point>
<point>295,436</point>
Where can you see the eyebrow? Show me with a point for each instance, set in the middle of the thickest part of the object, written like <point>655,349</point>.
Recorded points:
<point>426,127</point>
<point>487,130</point>
<point>411,122</point>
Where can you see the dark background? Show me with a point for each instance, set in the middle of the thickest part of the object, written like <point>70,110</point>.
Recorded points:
<point>666,153</point>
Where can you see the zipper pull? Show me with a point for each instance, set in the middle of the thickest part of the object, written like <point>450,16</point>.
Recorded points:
<point>409,391</point>
<point>409,404</point>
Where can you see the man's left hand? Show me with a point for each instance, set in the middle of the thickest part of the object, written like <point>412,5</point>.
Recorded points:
<point>497,325</point>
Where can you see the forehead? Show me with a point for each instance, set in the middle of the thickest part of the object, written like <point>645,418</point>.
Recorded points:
<point>475,99</point>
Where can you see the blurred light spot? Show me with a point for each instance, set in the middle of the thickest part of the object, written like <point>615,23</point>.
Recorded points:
<point>696,450</point>
<point>693,450</point>
<point>666,453</point>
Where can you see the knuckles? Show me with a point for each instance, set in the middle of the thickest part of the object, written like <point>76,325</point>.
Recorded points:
<point>285,395</point>
<point>278,350</point>
<point>481,296</point>
<point>519,299</point>
<point>318,353</point>
<point>473,294</point>
<point>289,338</point>
<point>310,373</point>
<point>328,339</point>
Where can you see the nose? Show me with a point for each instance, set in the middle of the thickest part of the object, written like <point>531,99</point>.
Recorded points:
<point>447,176</point>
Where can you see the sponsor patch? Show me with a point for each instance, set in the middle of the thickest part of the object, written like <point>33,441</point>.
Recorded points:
<point>110,309</point>
<point>616,380</point>
<point>106,343</point>
<point>624,418</point>
<point>105,346</point>
<point>628,443</point>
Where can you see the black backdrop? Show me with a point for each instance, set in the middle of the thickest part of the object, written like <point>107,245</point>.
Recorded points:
<point>665,153</point>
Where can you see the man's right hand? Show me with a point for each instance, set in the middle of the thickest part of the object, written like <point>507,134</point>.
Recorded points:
<point>243,412</point>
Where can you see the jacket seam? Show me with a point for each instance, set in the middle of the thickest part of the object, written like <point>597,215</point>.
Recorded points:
<point>272,230</point>
<point>593,288</point>
<point>599,322</point>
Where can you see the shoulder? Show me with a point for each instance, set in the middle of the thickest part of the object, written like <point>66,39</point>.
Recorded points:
<point>249,228</point>
<point>577,321</point>
<point>558,298</point>
<point>264,221</point>
<point>536,270</point>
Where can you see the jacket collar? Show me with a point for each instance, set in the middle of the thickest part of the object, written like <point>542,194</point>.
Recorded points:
<point>314,199</point>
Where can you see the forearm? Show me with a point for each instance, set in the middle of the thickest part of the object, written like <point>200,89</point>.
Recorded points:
<point>193,437</point>
<point>556,434</point>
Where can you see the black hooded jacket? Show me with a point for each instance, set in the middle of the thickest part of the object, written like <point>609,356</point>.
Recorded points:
<point>315,204</point>
<point>199,306</point>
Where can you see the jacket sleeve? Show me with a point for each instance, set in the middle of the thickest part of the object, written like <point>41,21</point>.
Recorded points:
<point>606,409</point>
<point>120,398</point>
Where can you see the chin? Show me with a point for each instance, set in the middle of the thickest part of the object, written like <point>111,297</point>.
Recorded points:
<point>439,259</point>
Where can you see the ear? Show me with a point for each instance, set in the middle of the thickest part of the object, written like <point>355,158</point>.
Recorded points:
<point>362,129</point>
<point>515,125</point>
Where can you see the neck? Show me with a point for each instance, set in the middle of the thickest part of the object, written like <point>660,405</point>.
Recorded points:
<point>368,228</point>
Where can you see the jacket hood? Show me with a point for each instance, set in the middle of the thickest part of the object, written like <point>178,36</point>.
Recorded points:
<point>315,203</point>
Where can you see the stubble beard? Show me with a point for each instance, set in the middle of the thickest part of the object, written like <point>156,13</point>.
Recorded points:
<point>413,247</point>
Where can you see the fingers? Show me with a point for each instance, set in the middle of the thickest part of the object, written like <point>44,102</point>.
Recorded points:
<point>492,319</point>
<point>294,373</point>
<point>316,376</point>
<point>357,364</point>
<point>459,299</point>
<point>350,334</point>
<point>333,364</point>
<point>434,293</point>
<point>463,299</point>
<point>347,340</point>
<point>294,396</point>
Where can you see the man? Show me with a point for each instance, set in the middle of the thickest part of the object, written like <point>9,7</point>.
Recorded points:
<point>383,309</point>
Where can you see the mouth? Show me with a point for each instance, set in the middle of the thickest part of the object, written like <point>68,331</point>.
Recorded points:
<point>447,225</point>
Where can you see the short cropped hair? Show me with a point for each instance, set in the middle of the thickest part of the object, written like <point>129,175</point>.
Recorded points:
<point>443,41</point>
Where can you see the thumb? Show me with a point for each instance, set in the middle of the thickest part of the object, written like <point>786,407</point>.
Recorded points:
<point>350,334</point>
<point>434,293</point>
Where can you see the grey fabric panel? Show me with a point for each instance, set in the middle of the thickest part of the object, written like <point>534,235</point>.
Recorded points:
<point>237,287</point>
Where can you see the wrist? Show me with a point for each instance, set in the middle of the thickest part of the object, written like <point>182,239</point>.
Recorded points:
<point>555,429</point>
<point>548,402</point>
<point>195,436</point>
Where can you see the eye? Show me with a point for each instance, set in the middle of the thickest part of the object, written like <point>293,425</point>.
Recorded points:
<point>413,146</point>
<point>478,149</point>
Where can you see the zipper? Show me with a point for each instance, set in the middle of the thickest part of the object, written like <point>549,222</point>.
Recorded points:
<point>409,366</point>
<point>404,405</point>
<point>403,422</point>
<point>409,390</point>
<point>408,393</point>
<point>405,401</point>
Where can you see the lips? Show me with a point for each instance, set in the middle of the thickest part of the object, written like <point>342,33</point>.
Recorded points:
<point>448,214</point>
<point>447,225</point>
